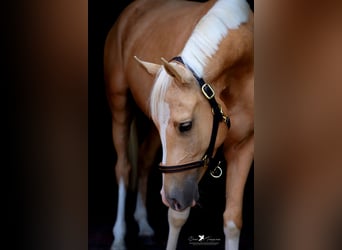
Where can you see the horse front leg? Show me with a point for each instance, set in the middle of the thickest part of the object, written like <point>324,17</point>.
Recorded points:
<point>240,160</point>
<point>121,120</point>
<point>176,221</point>
<point>147,153</point>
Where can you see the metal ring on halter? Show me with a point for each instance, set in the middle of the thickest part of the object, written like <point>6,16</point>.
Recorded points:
<point>214,173</point>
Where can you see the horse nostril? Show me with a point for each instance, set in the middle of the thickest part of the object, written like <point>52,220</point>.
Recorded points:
<point>175,204</point>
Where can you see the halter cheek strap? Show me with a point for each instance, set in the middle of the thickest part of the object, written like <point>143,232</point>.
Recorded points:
<point>219,116</point>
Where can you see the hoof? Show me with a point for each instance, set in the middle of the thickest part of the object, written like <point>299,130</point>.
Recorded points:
<point>118,245</point>
<point>148,241</point>
<point>147,231</point>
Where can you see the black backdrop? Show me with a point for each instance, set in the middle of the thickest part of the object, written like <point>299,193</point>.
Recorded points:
<point>102,188</point>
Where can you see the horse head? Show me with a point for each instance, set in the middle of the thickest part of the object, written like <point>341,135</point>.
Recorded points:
<point>184,118</point>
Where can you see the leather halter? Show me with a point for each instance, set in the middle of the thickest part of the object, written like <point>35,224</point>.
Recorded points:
<point>219,116</point>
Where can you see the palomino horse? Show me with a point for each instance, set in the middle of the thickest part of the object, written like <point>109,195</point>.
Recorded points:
<point>200,99</point>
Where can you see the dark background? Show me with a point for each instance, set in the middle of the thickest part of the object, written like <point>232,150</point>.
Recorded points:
<point>297,189</point>
<point>102,188</point>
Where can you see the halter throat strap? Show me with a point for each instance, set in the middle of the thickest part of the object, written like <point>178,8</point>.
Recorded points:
<point>207,159</point>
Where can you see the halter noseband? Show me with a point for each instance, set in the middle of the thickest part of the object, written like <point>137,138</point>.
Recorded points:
<point>219,116</point>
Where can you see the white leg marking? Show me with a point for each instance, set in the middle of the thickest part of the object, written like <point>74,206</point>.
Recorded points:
<point>119,229</point>
<point>232,234</point>
<point>176,221</point>
<point>140,215</point>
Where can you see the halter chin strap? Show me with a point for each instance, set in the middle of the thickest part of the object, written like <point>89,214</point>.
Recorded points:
<point>219,116</point>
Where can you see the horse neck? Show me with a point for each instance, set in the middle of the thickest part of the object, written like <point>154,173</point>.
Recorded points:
<point>233,59</point>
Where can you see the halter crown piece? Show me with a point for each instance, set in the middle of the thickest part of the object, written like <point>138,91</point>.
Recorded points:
<point>208,159</point>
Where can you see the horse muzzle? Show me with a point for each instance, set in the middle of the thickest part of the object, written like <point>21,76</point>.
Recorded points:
<point>179,197</point>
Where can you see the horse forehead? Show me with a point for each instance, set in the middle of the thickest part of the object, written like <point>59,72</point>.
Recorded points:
<point>181,98</point>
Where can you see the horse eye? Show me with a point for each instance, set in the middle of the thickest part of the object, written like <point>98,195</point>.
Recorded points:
<point>185,126</point>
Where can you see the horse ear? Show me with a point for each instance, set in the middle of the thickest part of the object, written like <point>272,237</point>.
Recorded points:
<point>151,68</point>
<point>179,73</point>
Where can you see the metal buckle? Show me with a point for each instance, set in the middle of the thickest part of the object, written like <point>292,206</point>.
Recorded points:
<point>205,88</point>
<point>225,118</point>
<point>217,172</point>
<point>205,160</point>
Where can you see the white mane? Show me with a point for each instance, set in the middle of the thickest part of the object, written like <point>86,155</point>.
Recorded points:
<point>203,43</point>
<point>211,29</point>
